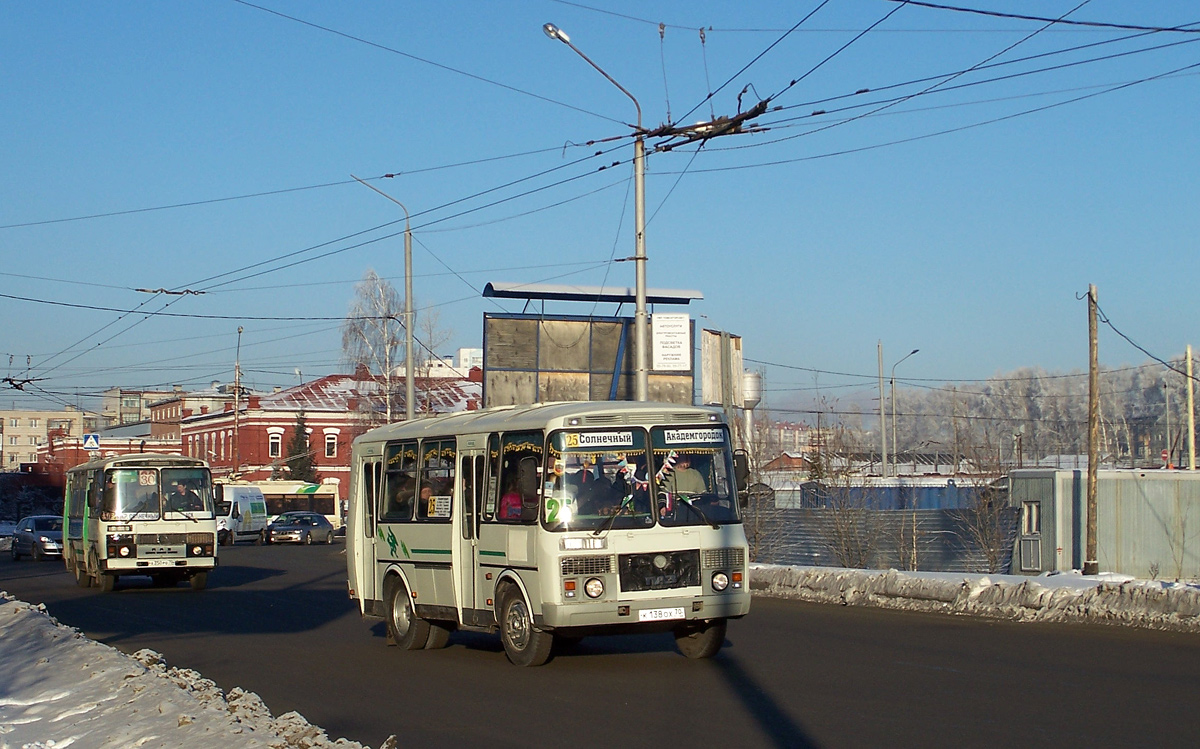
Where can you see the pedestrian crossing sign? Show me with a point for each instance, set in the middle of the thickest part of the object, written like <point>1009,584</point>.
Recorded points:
<point>91,442</point>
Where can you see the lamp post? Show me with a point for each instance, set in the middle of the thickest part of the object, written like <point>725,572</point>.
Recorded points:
<point>893,384</point>
<point>409,385</point>
<point>640,325</point>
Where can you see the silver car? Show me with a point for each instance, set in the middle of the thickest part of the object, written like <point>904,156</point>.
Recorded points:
<point>300,528</point>
<point>38,536</point>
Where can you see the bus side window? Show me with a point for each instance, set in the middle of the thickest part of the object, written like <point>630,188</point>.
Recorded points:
<point>401,485</point>
<point>491,492</point>
<point>468,497</point>
<point>368,498</point>
<point>520,477</point>
<point>437,481</point>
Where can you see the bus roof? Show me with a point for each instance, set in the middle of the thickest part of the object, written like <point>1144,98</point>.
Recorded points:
<point>152,460</point>
<point>536,416</point>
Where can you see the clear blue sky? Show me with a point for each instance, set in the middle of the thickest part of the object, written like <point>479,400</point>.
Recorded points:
<point>812,240</point>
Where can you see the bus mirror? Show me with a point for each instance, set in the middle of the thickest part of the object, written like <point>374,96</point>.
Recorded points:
<point>741,469</point>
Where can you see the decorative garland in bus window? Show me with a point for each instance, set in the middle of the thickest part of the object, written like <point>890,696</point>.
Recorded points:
<point>527,446</point>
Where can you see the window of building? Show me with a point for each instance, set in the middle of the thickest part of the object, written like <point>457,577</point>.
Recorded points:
<point>12,440</point>
<point>129,402</point>
<point>33,440</point>
<point>1031,518</point>
<point>12,459</point>
<point>274,445</point>
<point>33,423</point>
<point>14,422</point>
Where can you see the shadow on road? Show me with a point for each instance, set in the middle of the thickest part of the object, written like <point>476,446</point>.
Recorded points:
<point>780,727</point>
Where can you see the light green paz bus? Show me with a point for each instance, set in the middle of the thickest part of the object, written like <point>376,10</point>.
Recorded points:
<point>142,514</point>
<point>557,520</point>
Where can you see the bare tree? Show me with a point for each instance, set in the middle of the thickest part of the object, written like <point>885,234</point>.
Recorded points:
<point>851,530</point>
<point>986,524</point>
<point>372,338</point>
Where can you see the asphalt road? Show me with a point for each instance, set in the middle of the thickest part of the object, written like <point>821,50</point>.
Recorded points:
<point>276,620</point>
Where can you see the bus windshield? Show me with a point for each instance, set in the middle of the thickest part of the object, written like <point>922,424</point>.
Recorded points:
<point>596,480</point>
<point>137,494</point>
<point>693,476</point>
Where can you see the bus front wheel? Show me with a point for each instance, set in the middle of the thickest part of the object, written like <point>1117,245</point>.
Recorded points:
<point>702,640</point>
<point>106,582</point>
<point>523,644</point>
<point>82,578</point>
<point>199,580</point>
<point>404,628</point>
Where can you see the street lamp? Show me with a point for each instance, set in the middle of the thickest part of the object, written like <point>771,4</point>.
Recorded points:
<point>640,325</point>
<point>409,386</point>
<point>893,384</point>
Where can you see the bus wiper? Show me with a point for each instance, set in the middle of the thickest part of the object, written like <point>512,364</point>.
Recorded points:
<point>688,502</point>
<point>189,517</point>
<point>613,518</point>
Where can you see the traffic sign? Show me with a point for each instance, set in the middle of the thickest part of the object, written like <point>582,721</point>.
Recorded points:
<point>91,442</point>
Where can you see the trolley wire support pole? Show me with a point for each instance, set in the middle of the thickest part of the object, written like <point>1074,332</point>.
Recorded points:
<point>1091,565</point>
<point>640,323</point>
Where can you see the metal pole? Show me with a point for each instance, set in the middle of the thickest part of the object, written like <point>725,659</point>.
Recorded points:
<point>892,379</point>
<point>410,387</point>
<point>409,383</point>
<point>237,397</point>
<point>640,323</point>
<point>1091,565</point>
<point>1167,406</point>
<point>882,414</point>
<point>1191,414</point>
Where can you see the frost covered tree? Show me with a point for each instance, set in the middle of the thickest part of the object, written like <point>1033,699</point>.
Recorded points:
<point>372,341</point>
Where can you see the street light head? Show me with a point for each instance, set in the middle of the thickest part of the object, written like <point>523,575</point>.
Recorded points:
<point>914,351</point>
<point>555,32</point>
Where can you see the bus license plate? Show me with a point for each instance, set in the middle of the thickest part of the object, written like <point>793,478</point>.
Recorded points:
<point>658,615</point>
<point>161,563</point>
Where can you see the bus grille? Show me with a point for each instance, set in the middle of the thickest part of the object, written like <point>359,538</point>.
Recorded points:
<point>661,571</point>
<point>731,558</point>
<point>162,539</point>
<point>593,565</point>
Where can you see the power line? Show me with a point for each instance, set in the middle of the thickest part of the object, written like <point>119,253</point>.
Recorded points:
<point>438,65</point>
<point>1023,17</point>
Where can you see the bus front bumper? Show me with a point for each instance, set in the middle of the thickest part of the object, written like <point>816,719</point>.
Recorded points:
<point>148,566</point>
<point>658,612</point>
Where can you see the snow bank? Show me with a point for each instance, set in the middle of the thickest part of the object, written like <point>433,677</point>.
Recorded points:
<point>62,689</point>
<point>1066,597</point>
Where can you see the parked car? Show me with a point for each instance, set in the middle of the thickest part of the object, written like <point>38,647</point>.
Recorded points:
<point>38,536</point>
<point>301,528</point>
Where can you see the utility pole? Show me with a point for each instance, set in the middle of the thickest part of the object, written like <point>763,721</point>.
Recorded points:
<point>882,421</point>
<point>409,383</point>
<point>1191,413</point>
<point>1091,565</point>
<point>1167,407</point>
<point>237,405</point>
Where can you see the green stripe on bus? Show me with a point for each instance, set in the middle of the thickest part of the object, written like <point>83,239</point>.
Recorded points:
<point>430,551</point>
<point>486,553</point>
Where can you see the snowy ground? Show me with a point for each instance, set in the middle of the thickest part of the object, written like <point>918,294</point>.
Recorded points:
<point>1058,597</point>
<point>60,689</point>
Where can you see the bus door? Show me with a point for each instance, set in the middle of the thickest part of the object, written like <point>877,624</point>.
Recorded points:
<point>360,535</point>
<point>466,557</point>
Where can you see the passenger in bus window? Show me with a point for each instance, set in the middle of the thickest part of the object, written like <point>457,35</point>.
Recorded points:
<point>183,499</point>
<point>684,479</point>
<point>510,502</point>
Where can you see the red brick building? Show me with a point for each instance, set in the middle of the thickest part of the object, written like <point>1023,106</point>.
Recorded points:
<point>254,443</point>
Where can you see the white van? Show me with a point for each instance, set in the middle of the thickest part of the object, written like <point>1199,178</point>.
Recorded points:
<point>241,514</point>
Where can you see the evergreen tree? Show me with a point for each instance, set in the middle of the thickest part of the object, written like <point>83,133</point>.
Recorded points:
<point>299,458</point>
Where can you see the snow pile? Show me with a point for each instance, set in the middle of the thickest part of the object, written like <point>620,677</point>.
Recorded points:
<point>62,689</point>
<point>1066,597</point>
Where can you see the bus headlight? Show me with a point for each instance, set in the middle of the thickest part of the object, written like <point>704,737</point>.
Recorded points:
<point>123,551</point>
<point>594,587</point>
<point>720,581</point>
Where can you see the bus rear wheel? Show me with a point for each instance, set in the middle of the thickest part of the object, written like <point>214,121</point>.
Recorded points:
<point>523,644</point>
<point>702,640</point>
<point>404,627</point>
